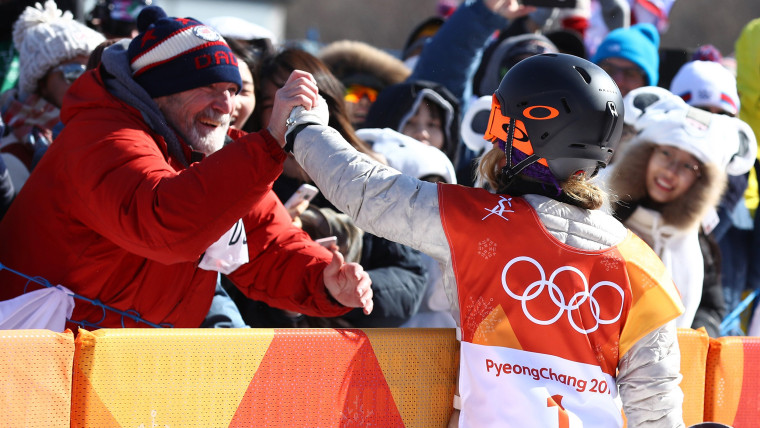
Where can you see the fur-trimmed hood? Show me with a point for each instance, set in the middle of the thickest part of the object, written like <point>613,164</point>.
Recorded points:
<point>355,62</point>
<point>627,185</point>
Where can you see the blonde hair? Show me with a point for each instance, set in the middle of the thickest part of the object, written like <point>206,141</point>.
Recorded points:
<point>578,189</point>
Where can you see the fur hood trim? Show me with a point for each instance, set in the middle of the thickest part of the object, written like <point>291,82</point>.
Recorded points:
<point>354,60</point>
<point>627,184</point>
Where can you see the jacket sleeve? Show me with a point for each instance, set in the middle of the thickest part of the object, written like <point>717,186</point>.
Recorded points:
<point>285,267</point>
<point>461,40</point>
<point>131,195</point>
<point>379,199</point>
<point>648,380</point>
<point>399,280</point>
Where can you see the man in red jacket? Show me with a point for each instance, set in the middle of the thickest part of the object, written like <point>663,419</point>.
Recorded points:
<point>137,205</point>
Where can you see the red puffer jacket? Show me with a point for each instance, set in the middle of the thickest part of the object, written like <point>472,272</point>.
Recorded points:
<point>110,215</point>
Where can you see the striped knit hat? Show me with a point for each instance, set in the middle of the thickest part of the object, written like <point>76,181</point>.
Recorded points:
<point>172,55</point>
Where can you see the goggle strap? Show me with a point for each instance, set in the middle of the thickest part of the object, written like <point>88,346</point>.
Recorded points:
<point>508,143</point>
<point>512,172</point>
<point>509,170</point>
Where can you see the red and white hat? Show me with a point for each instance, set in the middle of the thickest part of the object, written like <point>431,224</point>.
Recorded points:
<point>706,84</point>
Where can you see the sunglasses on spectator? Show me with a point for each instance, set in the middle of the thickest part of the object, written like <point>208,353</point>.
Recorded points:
<point>71,72</point>
<point>355,93</point>
<point>629,73</point>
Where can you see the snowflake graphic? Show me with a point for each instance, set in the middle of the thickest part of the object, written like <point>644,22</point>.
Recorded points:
<point>487,326</point>
<point>153,423</point>
<point>610,263</point>
<point>486,248</point>
<point>599,351</point>
<point>477,311</point>
<point>356,415</point>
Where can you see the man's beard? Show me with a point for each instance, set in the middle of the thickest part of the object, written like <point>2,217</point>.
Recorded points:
<point>210,141</point>
<point>200,137</point>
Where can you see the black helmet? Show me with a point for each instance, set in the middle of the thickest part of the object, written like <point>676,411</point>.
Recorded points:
<point>563,111</point>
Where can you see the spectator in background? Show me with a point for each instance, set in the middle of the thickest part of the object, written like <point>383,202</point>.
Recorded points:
<point>708,85</point>
<point>397,271</point>
<point>747,53</point>
<point>416,40</point>
<point>450,59</point>
<point>251,43</point>
<point>245,100</point>
<point>116,19</point>
<point>426,163</point>
<point>672,175</point>
<point>502,54</point>
<point>365,71</point>
<point>53,52</point>
<point>423,110</point>
<point>630,56</point>
<point>149,203</point>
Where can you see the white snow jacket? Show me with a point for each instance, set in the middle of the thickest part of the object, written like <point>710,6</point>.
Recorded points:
<point>404,209</point>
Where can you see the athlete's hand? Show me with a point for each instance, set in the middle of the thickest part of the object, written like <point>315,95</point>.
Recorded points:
<point>348,283</point>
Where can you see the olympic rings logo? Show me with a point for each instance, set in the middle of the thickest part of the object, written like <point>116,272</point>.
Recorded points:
<point>575,302</point>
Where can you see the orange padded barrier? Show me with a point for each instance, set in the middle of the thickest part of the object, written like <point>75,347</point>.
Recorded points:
<point>694,345</point>
<point>732,381</point>
<point>35,368</point>
<point>264,377</point>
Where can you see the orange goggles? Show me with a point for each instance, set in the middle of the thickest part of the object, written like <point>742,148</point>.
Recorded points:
<point>355,93</point>
<point>498,131</point>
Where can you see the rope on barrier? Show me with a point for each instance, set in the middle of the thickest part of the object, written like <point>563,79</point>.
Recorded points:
<point>130,314</point>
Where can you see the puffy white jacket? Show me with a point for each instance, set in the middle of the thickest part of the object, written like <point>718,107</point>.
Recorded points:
<point>404,209</point>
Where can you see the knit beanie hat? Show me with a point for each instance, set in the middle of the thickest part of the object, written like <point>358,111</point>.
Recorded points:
<point>172,55</point>
<point>706,83</point>
<point>45,36</point>
<point>638,43</point>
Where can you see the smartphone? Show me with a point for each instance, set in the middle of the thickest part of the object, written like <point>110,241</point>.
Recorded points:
<point>549,3</point>
<point>306,192</point>
<point>328,241</point>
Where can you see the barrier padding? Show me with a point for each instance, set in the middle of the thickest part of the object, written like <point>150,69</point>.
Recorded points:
<point>35,368</point>
<point>732,381</point>
<point>264,377</point>
<point>694,345</point>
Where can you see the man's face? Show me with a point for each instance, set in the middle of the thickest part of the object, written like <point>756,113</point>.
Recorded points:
<point>201,116</point>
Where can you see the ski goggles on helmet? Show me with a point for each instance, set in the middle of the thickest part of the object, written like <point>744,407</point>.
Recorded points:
<point>355,93</point>
<point>498,131</point>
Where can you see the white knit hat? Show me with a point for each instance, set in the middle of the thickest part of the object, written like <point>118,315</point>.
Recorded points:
<point>663,118</point>
<point>45,37</point>
<point>706,83</point>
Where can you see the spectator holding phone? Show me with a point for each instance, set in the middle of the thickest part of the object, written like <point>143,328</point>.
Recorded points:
<point>397,271</point>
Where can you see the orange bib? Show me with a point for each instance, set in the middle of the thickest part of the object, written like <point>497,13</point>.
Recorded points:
<point>543,322</point>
